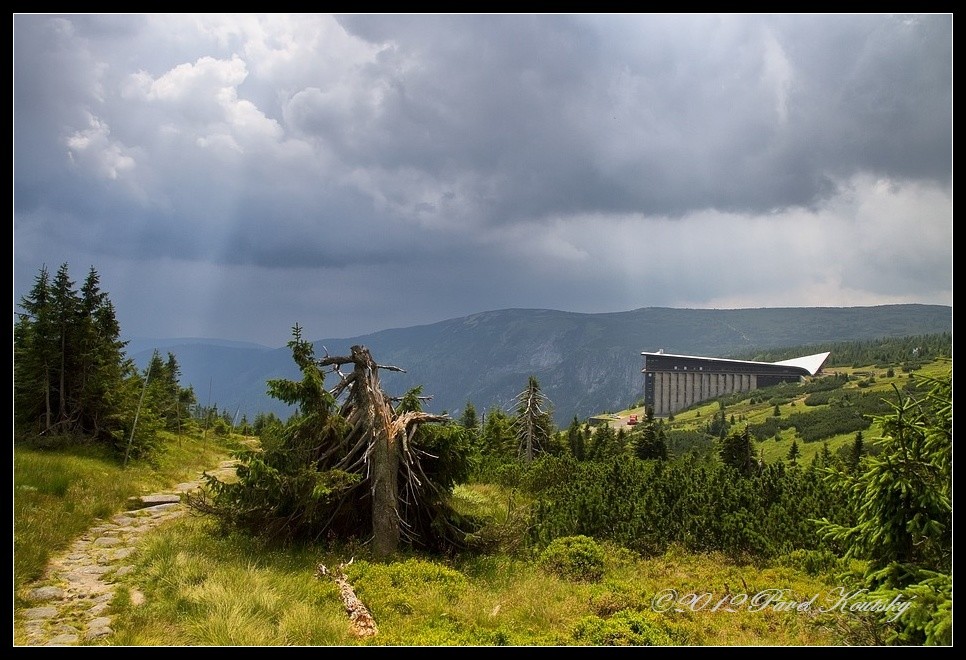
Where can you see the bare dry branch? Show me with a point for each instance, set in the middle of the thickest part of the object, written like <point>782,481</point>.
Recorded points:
<point>337,360</point>
<point>361,623</point>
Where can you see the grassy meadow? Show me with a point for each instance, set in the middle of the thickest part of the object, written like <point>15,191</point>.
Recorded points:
<point>203,588</point>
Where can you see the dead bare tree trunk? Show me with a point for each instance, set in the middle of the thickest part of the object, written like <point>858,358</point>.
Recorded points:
<point>377,414</point>
<point>375,425</point>
<point>48,410</point>
<point>385,515</point>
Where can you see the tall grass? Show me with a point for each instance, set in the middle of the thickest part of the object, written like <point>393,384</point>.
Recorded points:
<point>205,588</point>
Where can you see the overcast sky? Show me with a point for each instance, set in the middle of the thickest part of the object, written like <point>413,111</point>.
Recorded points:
<point>229,176</point>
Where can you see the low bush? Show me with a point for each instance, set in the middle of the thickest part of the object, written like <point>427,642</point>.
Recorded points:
<point>624,628</point>
<point>578,558</point>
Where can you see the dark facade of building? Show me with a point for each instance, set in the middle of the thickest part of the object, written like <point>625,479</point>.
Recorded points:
<point>674,382</point>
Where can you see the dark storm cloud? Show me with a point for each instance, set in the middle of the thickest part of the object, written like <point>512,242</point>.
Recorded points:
<point>469,162</point>
<point>875,92</point>
<point>669,114</point>
<point>49,68</point>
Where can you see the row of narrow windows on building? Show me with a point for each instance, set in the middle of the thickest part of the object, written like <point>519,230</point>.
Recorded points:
<point>667,392</point>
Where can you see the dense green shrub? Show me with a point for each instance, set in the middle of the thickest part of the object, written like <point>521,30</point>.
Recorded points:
<point>409,574</point>
<point>769,428</point>
<point>680,442</point>
<point>812,562</point>
<point>825,383</point>
<point>624,628</point>
<point>699,504</point>
<point>578,558</point>
<point>821,398</point>
<point>846,413</point>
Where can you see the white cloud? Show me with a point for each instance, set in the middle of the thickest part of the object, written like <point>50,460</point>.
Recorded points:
<point>205,97</point>
<point>93,149</point>
<point>205,79</point>
<point>221,143</point>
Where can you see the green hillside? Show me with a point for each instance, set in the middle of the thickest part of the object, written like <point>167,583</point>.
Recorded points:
<point>806,414</point>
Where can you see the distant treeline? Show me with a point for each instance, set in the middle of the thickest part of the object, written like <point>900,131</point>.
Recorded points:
<point>885,352</point>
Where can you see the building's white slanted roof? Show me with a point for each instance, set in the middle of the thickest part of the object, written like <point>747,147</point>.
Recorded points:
<point>810,362</point>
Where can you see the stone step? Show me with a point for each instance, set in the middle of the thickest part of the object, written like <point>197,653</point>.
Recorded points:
<point>145,501</point>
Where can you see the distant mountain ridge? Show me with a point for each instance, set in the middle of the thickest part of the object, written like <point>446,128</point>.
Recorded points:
<point>585,363</point>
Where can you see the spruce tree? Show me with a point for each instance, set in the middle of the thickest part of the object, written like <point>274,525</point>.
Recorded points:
<point>650,441</point>
<point>469,419</point>
<point>606,444</point>
<point>70,372</point>
<point>534,421</point>
<point>575,440</point>
<point>901,505</point>
<point>498,441</point>
<point>737,450</point>
<point>64,307</point>
<point>34,357</point>
<point>102,362</point>
<point>166,396</point>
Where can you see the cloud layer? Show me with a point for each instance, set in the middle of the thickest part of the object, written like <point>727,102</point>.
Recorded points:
<point>231,175</point>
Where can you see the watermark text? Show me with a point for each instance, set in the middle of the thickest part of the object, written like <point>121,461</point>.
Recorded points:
<point>839,600</point>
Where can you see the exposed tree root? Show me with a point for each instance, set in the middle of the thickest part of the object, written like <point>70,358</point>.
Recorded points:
<point>361,623</point>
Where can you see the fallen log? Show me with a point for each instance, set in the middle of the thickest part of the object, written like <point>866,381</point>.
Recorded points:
<point>361,623</point>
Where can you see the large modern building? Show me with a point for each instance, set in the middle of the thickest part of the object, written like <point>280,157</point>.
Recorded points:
<point>674,382</point>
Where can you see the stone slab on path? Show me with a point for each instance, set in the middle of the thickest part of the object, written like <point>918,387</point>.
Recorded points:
<point>144,501</point>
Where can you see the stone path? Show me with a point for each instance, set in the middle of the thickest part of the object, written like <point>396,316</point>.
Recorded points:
<point>69,606</point>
